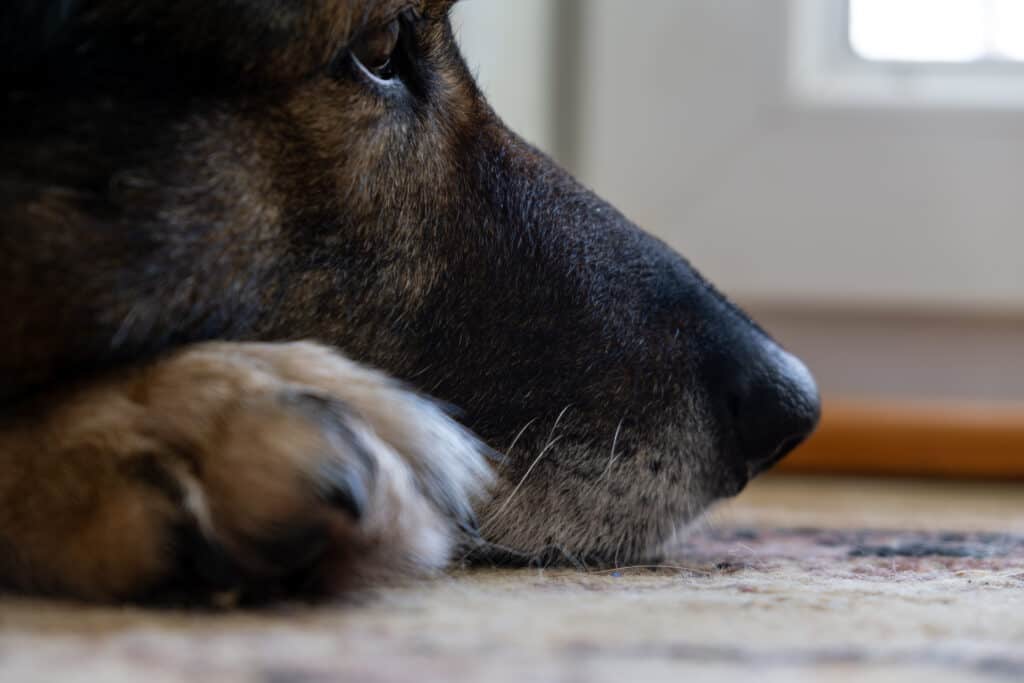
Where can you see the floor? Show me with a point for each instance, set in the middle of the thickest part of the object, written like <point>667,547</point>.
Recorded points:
<point>798,579</point>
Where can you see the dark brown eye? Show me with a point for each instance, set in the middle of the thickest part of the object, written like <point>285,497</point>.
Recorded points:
<point>374,52</point>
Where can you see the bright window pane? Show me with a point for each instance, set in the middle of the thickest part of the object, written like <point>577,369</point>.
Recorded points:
<point>1009,28</point>
<point>937,30</point>
<point>918,30</point>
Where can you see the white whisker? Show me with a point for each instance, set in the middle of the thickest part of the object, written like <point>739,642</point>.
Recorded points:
<point>508,500</point>
<point>615,559</point>
<point>558,419</point>
<point>522,431</point>
<point>615,441</point>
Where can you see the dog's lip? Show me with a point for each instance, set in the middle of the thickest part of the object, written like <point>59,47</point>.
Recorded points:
<point>784,449</point>
<point>743,473</point>
<point>740,485</point>
<point>735,482</point>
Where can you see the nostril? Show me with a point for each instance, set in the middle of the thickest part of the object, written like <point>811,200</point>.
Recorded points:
<point>790,445</point>
<point>785,448</point>
<point>764,454</point>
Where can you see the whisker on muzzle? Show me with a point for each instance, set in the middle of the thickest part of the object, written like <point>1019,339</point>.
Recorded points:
<point>552,440</point>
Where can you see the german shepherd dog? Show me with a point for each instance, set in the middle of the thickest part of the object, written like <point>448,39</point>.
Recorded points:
<point>218,215</point>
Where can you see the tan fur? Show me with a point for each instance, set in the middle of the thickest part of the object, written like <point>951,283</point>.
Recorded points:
<point>221,420</point>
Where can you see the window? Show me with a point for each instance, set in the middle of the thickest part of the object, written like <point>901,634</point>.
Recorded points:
<point>951,31</point>
<point>938,54</point>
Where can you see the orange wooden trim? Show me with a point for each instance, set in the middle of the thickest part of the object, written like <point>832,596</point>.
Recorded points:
<point>915,438</point>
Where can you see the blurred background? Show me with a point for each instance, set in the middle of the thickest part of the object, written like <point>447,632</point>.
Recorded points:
<point>850,171</point>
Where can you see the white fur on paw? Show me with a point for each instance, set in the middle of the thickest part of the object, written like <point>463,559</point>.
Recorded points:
<point>429,469</point>
<point>444,456</point>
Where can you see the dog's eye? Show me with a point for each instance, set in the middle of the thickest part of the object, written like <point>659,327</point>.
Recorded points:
<point>374,52</point>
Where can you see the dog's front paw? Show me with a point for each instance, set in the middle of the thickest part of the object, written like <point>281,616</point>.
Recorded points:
<point>314,473</point>
<point>254,470</point>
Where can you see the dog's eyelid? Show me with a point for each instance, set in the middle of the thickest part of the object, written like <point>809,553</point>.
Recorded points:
<point>382,52</point>
<point>406,14</point>
<point>374,48</point>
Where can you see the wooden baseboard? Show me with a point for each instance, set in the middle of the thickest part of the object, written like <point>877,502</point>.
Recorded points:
<point>908,438</point>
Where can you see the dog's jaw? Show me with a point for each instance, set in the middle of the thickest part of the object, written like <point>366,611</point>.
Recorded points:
<point>611,499</point>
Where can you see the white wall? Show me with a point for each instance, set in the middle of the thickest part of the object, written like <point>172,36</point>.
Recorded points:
<point>689,127</point>
<point>509,45</point>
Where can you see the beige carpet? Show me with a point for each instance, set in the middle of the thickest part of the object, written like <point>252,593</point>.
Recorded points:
<point>797,580</point>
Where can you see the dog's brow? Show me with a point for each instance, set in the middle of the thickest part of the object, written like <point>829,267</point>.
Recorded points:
<point>434,7</point>
<point>373,11</point>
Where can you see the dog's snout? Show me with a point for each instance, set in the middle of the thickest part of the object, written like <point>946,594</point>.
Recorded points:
<point>772,403</point>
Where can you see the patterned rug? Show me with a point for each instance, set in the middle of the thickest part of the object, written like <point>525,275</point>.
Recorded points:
<point>778,604</point>
<point>861,551</point>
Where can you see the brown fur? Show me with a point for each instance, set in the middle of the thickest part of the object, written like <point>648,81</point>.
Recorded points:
<point>188,187</point>
<point>251,429</point>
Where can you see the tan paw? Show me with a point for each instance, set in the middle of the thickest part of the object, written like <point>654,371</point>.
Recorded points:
<point>260,469</point>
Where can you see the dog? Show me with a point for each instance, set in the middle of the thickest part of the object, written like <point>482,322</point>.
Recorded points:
<point>244,240</point>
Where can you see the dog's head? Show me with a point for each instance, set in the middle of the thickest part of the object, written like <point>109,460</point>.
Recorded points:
<point>330,170</point>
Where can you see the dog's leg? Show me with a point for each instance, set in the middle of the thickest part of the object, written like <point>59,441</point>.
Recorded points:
<point>260,468</point>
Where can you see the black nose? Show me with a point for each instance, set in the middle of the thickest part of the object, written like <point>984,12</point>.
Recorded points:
<point>772,403</point>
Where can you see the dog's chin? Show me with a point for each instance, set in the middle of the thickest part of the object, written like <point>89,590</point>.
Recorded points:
<point>628,512</point>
